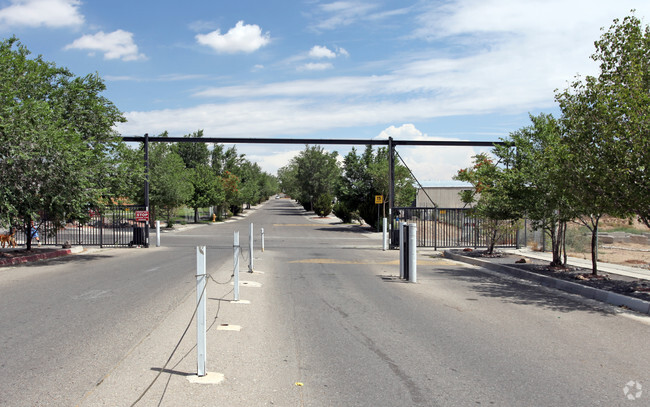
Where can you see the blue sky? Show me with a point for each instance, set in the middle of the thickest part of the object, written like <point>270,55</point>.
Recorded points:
<point>457,69</point>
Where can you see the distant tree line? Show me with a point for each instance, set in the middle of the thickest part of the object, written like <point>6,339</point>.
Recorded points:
<point>591,161</point>
<point>317,180</point>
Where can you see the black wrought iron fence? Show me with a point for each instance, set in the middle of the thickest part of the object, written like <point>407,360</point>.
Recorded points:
<point>448,227</point>
<point>110,226</point>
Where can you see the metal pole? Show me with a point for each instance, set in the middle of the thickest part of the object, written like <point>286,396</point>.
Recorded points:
<point>262,240</point>
<point>401,250</point>
<point>236,250</point>
<point>201,281</point>
<point>250,249</point>
<point>146,186</point>
<point>157,233</point>
<point>413,247</point>
<point>391,172</point>
<point>385,234</point>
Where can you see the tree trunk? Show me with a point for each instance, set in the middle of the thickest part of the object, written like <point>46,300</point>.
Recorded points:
<point>28,234</point>
<point>196,215</point>
<point>594,249</point>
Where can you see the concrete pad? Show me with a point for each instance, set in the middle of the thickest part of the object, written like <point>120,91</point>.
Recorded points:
<point>248,284</point>
<point>209,378</point>
<point>228,327</point>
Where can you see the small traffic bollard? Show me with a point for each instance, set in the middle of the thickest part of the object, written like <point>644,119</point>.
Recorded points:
<point>262,240</point>
<point>385,235</point>
<point>157,233</point>
<point>250,249</point>
<point>201,281</point>
<point>413,258</point>
<point>235,272</point>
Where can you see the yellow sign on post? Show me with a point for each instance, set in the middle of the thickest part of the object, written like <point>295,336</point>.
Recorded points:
<point>379,199</point>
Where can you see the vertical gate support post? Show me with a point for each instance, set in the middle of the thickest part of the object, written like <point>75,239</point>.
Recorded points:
<point>402,255</point>
<point>201,281</point>
<point>413,257</point>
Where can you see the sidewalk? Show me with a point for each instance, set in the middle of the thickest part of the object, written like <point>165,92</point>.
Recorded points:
<point>633,272</point>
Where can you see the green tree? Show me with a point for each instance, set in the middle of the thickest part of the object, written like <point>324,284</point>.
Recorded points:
<point>534,175</point>
<point>314,172</point>
<point>489,197</point>
<point>208,189</point>
<point>56,140</point>
<point>194,154</point>
<point>170,182</point>
<point>367,175</point>
<point>606,122</point>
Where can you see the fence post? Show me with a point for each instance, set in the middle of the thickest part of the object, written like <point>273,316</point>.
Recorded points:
<point>402,262</point>
<point>157,233</point>
<point>413,257</point>
<point>385,234</point>
<point>236,250</point>
<point>250,249</point>
<point>201,281</point>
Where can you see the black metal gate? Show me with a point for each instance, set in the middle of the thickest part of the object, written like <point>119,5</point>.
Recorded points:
<point>446,227</point>
<point>111,226</point>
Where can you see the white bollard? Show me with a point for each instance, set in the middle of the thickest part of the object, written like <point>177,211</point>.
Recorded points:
<point>262,240</point>
<point>235,272</point>
<point>157,233</point>
<point>385,235</point>
<point>250,249</point>
<point>413,259</point>
<point>201,280</point>
<point>402,255</point>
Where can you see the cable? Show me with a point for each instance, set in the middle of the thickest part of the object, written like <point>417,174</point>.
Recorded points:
<point>416,180</point>
<point>162,369</point>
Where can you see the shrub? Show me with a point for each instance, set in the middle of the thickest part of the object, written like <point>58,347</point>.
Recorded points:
<point>323,205</point>
<point>342,212</point>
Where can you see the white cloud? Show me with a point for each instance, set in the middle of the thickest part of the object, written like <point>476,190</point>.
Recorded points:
<point>241,38</point>
<point>47,13</point>
<point>432,165</point>
<point>116,45</point>
<point>315,66</point>
<point>318,51</point>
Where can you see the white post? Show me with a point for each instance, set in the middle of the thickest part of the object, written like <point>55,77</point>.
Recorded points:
<point>385,235</point>
<point>250,249</point>
<point>413,259</point>
<point>201,280</point>
<point>402,256</point>
<point>157,233</point>
<point>235,272</point>
<point>262,240</point>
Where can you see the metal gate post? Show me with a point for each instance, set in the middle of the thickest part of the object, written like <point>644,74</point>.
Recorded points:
<point>401,250</point>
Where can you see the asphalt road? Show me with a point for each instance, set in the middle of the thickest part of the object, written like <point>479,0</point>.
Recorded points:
<point>331,315</point>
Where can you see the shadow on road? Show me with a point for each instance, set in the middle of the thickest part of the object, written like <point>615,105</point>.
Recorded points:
<point>514,292</point>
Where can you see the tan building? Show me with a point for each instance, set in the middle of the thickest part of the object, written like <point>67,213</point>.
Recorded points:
<point>444,197</point>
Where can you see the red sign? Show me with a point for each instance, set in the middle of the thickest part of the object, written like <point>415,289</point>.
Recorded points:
<point>142,216</point>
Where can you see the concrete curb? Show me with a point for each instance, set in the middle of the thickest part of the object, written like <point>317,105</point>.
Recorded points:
<point>41,256</point>
<point>608,297</point>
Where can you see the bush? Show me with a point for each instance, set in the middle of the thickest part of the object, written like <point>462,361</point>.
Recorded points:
<point>342,212</point>
<point>323,205</point>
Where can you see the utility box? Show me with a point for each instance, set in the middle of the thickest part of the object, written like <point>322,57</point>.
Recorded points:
<point>138,236</point>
